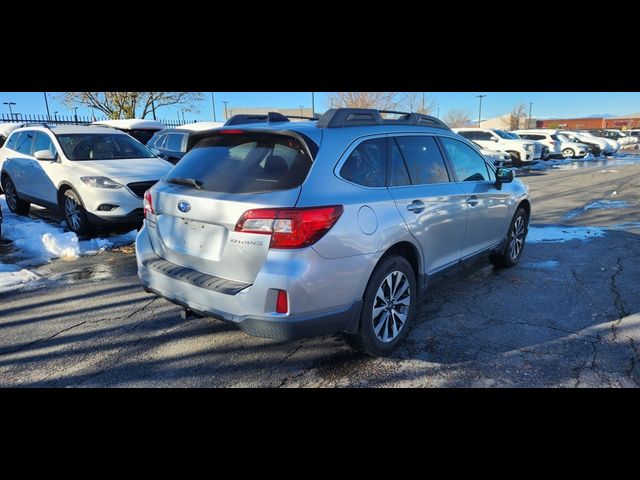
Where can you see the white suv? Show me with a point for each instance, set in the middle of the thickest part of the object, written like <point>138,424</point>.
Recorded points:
<point>522,152</point>
<point>559,146</point>
<point>94,175</point>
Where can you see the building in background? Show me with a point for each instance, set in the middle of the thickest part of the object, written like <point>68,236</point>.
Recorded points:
<point>623,122</point>
<point>301,112</point>
<point>503,122</point>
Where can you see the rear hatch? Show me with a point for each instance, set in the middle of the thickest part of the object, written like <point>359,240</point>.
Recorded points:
<point>197,206</point>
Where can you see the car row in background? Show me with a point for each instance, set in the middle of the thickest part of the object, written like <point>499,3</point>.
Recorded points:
<point>171,143</point>
<point>522,152</point>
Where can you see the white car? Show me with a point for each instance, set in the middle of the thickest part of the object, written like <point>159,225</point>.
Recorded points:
<point>625,140</point>
<point>496,157</point>
<point>94,175</point>
<point>141,130</point>
<point>523,152</point>
<point>589,140</point>
<point>614,145</point>
<point>559,146</point>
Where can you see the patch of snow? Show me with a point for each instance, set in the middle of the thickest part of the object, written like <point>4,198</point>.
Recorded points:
<point>545,265</point>
<point>13,277</point>
<point>604,204</point>
<point>131,124</point>
<point>563,234</point>
<point>609,171</point>
<point>40,241</point>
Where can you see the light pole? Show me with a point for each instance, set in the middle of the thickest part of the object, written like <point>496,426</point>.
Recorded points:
<point>530,107</point>
<point>75,113</point>
<point>46,103</point>
<point>10,111</point>
<point>313,104</point>
<point>226,114</point>
<point>55,116</point>
<point>182,110</point>
<point>213,103</point>
<point>422,102</point>
<point>301,112</point>
<point>480,110</point>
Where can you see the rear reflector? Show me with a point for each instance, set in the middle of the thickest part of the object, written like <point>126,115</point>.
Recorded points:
<point>282,303</point>
<point>290,227</point>
<point>148,203</point>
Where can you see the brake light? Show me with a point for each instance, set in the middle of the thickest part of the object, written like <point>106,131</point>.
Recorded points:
<point>282,302</point>
<point>290,227</point>
<point>231,132</point>
<point>148,204</point>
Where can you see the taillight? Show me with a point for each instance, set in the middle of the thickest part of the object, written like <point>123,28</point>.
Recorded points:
<point>231,132</point>
<point>282,303</point>
<point>148,204</point>
<point>290,227</point>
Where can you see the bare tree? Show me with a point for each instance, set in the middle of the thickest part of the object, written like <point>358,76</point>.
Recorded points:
<point>412,102</point>
<point>116,105</point>
<point>460,117</point>
<point>379,100</point>
<point>513,121</point>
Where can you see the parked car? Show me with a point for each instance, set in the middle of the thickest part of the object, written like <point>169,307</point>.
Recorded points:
<point>93,175</point>
<point>558,146</point>
<point>497,157</point>
<point>522,152</point>
<point>614,145</point>
<point>171,143</point>
<point>598,146</point>
<point>634,134</point>
<point>141,130</point>
<point>287,236</point>
<point>619,136</point>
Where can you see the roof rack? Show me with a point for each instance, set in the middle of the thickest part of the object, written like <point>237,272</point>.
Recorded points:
<point>37,124</point>
<point>356,117</point>
<point>270,117</point>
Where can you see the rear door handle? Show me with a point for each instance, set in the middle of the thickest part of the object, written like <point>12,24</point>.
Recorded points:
<point>473,200</point>
<point>416,206</point>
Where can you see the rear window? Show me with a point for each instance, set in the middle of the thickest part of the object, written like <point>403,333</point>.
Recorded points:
<point>245,163</point>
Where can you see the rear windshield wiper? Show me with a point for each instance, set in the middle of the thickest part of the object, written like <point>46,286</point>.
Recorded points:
<point>191,182</point>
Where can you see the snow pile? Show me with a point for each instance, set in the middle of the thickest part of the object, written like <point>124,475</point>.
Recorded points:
<point>13,277</point>
<point>40,241</point>
<point>563,234</point>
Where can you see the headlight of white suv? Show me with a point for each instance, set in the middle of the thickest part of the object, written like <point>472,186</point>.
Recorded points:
<point>100,182</point>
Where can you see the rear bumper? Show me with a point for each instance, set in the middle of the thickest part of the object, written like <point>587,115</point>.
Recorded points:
<point>324,295</point>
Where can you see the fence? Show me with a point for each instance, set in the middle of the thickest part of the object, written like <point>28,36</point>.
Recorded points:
<point>69,119</point>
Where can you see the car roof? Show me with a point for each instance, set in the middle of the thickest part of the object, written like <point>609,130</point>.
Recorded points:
<point>132,124</point>
<point>71,129</point>
<point>199,126</point>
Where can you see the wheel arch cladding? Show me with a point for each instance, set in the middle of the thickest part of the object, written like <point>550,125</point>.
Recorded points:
<point>61,191</point>
<point>526,205</point>
<point>409,252</point>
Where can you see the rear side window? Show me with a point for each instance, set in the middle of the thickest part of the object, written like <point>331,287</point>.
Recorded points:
<point>11,143</point>
<point>24,142</point>
<point>174,142</point>
<point>467,163</point>
<point>367,164</point>
<point>423,159</point>
<point>251,162</point>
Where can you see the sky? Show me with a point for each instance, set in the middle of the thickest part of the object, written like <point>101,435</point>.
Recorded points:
<point>545,104</point>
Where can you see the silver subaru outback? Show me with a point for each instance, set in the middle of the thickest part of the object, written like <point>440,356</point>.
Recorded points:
<point>297,229</point>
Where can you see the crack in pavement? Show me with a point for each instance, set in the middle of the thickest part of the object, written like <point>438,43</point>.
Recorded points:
<point>40,340</point>
<point>618,300</point>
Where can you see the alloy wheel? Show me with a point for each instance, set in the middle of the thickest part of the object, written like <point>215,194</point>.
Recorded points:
<point>517,238</point>
<point>72,211</point>
<point>391,306</point>
<point>10,195</point>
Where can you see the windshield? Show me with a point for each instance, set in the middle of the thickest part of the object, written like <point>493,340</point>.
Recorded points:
<point>249,162</point>
<point>503,134</point>
<point>110,146</point>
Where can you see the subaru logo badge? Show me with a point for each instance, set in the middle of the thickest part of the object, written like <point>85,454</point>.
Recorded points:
<point>184,206</point>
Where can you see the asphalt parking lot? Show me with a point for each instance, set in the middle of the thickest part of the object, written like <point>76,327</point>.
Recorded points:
<point>567,316</point>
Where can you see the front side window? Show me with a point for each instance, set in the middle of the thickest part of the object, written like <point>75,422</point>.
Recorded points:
<point>423,159</point>
<point>484,136</point>
<point>11,143</point>
<point>102,146</point>
<point>468,165</point>
<point>367,164</point>
<point>470,135</point>
<point>43,142</point>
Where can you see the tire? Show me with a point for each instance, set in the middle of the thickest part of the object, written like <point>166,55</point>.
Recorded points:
<point>568,153</point>
<point>17,206</point>
<point>513,248</point>
<point>515,159</point>
<point>378,335</point>
<point>75,214</point>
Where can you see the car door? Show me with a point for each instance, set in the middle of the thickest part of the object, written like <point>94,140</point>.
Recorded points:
<point>431,204</point>
<point>44,172</point>
<point>486,206</point>
<point>19,164</point>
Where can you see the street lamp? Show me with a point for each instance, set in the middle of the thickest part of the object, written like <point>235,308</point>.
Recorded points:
<point>55,116</point>
<point>213,103</point>
<point>10,111</point>
<point>301,112</point>
<point>530,107</point>
<point>480,110</point>
<point>46,103</point>
<point>313,104</point>
<point>226,114</point>
<point>75,113</point>
<point>182,110</point>
<point>422,102</point>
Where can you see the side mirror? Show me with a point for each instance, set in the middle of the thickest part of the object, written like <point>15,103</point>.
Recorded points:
<point>495,139</point>
<point>503,175</point>
<point>45,155</point>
